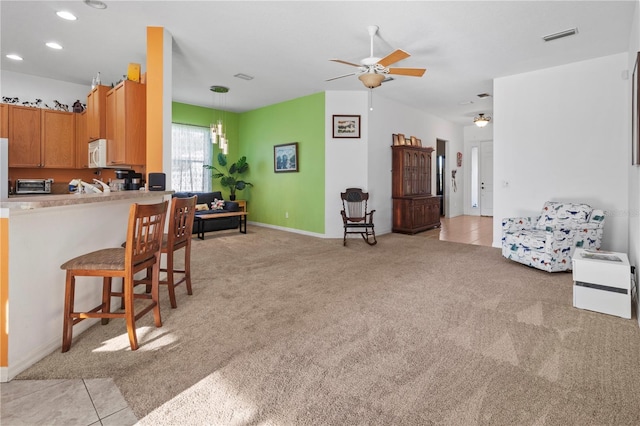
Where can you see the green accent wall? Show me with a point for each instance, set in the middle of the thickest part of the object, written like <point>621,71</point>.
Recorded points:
<point>298,195</point>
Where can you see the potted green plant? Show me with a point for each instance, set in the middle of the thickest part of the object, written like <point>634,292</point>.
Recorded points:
<point>229,177</point>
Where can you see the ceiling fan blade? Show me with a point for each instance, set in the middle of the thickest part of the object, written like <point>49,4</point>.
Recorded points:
<point>345,62</point>
<point>340,76</point>
<point>413,72</point>
<point>393,57</point>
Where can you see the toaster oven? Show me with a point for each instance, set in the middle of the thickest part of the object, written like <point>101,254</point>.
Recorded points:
<point>33,186</point>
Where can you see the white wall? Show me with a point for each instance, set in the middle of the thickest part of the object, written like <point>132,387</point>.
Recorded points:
<point>634,171</point>
<point>366,162</point>
<point>389,117</point>
<point>29,88</point>
<point>346,160</point>
<point>561,134</point>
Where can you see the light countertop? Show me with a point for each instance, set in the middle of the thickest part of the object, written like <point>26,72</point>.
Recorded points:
<point>30,202</point>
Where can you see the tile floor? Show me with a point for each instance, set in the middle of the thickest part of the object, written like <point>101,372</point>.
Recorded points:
<point>64,402</point>
<point>99,401</point>
<point>477,230</point>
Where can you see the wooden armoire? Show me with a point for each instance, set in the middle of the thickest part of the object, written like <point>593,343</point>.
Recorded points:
<point>414,208</point>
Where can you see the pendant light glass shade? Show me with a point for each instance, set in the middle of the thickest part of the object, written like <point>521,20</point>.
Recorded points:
<point>371,80</point>
<point>481,120</point>
<point>217,127</point>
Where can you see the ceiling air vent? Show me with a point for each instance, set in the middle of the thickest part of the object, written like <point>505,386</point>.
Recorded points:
<point>244,76</point>
<point>561,34</point>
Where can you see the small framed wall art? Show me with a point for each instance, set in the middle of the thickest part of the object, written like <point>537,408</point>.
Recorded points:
<point>285,157</point>
<point>346,126</point>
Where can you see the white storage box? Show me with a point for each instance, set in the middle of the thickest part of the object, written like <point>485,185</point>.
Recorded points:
<point>602,282</point>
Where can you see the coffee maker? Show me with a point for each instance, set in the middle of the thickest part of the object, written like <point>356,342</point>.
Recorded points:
<point>132,180</point>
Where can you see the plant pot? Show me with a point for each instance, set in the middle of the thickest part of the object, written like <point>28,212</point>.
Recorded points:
<point>232,197</point>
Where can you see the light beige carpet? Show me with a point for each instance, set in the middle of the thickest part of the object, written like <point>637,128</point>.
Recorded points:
<point>284,329</point>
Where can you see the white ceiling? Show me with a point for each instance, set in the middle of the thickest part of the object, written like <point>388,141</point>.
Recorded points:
<point>287,45</point>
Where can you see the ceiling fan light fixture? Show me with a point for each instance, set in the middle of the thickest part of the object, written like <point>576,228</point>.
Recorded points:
<point>481,120</point>
<point>371,80</point>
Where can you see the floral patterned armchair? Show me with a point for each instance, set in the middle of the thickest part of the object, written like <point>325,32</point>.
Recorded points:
<point>547,242</point>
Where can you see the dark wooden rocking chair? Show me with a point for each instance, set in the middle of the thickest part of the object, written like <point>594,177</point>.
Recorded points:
<point>356,218</point>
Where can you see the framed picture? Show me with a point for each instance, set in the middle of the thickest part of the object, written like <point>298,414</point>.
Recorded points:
<point>346,126</point>
<point>285,157</point>
<point>635,114</point>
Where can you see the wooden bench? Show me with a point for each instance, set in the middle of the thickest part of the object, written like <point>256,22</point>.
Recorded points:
<point>202,218</point>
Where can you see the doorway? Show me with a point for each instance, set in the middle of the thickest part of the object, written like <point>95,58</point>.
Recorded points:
<point>440,172</point>
<point>480,179</point>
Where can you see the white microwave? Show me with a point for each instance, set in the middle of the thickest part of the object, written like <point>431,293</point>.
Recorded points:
<point>98,154</point>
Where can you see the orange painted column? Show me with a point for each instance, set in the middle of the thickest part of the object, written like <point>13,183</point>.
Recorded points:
<point>155,93</point>
<point>4,292</point>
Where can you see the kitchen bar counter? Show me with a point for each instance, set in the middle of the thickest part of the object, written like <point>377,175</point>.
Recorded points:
<point>29,202</point>
<point>37,235</point>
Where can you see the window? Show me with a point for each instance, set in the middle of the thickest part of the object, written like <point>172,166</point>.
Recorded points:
<point>190,149</point>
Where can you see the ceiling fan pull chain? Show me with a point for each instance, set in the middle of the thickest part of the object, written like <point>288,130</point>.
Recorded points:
<point>370,99</point>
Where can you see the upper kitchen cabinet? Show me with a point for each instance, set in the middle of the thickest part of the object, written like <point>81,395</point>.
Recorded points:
<point>96,113</point>
<point>24,137</point>
<point>58,139</point>
<point>41,138</point>
<point>126,124</point>
<point>82,145</point>
<point>4,121</point>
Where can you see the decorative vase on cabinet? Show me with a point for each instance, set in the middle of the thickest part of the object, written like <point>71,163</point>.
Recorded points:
<point>414,208</point>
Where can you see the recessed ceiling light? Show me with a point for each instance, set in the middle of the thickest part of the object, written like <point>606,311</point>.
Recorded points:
<point>66,15</point>
<point>54,45</point>
<point>96,4</point>
<point>483,95</point>
<point>14,57</point>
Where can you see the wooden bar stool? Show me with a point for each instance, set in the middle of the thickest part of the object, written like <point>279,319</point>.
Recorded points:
<point>142,251</point>
<point>178,236</point>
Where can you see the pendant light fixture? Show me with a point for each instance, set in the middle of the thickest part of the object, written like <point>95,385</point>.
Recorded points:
<point>481,120</point>
<point>217,127</point>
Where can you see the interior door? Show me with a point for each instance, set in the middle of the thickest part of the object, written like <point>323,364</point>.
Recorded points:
<point>486,179</point>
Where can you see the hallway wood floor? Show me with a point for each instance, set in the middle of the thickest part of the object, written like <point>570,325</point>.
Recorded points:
<point>477,230</point>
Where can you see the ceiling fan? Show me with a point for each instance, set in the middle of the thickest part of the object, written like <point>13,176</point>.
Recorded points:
<point>372,70</point>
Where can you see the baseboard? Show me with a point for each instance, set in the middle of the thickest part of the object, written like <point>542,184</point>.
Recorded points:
<point>310,234</point>
<point>55,343</point>
<point>8,373</point>
<point>282,228</point>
